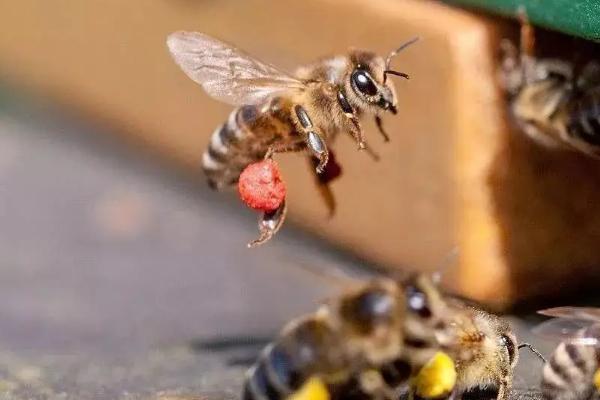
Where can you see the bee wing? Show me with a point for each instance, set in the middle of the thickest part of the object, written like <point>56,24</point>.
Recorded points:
<point>584,341</point>
<point>583,313</point>
<point>561,328</point>
<point>226,73</point>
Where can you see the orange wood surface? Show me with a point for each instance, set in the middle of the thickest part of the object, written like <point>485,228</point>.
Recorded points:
<point>453,175</point>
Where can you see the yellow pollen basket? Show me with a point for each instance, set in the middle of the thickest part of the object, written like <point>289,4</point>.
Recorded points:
<point>436,378</point>
<point>313,389</point>
<point>597,380</point>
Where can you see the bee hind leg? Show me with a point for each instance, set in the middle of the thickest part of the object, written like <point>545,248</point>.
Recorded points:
<point>269,223</point>
<point>284,148</point>
<point>322,181</point>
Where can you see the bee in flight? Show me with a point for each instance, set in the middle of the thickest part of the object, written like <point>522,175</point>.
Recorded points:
<point>573,372</point>
<point>553,101</point>
<point>278,112</point>
<point>384,337</point>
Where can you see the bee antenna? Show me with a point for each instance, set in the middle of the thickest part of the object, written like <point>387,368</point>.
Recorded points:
<point>533,350</point>
<point>392,72</point>
<point>393,53</point>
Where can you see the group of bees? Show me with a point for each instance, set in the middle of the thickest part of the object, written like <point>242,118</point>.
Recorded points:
<point>391,336</point>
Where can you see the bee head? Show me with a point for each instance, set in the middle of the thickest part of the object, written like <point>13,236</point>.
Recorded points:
<point>498,342</point>
<point>368,85</point>
<point>518,71</point>
<point>426,311</point>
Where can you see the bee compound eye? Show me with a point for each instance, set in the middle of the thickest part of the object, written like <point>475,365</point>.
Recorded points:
<point>368,309</point>
<point>364,83</point>
<point>510,347</point>
<point>417,302</point>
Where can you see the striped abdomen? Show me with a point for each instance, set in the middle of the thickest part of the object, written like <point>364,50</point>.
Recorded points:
<point>305,350</point>
<point>242,140</point>
<point>569,373</point>
<point>341,344</point>
<point>584,120</point>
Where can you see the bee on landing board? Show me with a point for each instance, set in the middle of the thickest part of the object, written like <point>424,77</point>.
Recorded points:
<point>487,353</point>
<point>380,339</point>
<point>553,101</point>
<point>364,344</point>
<point>279,112</point>
<point>573,372</point>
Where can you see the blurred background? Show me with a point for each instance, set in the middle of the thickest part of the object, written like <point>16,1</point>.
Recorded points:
<point>123,275</point>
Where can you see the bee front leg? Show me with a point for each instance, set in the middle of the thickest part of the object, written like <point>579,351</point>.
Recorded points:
<point>314,141</point>
<point>374,155</point>
<point>269,223</point>
<point>359,137</point>
<point>348,111</point>
<point>379,123</point>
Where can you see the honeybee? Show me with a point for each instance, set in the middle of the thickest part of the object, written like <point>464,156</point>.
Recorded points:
<point>552,100</point>
<point>380,338</point>
<point>367,342</point>
<point>488,353</point>
<point>280,112</point>
<point>573,372</point>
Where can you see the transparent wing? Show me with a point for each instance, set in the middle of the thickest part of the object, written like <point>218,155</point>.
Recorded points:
<point>226,73</point>
<point>582,313</point>
<point>560,328</point>
<point>575,331</point>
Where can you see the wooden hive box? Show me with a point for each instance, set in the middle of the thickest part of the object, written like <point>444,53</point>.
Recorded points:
<point>453,176</point>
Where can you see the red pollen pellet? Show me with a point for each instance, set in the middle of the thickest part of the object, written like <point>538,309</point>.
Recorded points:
<point>260,186</point>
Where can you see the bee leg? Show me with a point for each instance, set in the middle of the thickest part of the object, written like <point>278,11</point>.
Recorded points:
<point>314,141</point>
<point>453,396</point>
<point>269,223</point>
<point>318,148</point>
<point>357,133</point>
<point>374,155</point>
<point>527,36</point>
<point>379,124</point>
<point>527,45</point>
<point>324,188</point>
<point>372,384</point>
<point>285,148</point>
<point>502,392</point>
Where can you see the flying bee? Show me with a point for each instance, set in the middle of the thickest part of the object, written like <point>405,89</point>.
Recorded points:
<point>553,101</point>
<point>280,112</point>
<point>366,343</point>
<point>573,372</point>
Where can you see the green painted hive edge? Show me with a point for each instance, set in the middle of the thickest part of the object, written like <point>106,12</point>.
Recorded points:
<point>574,17</point>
